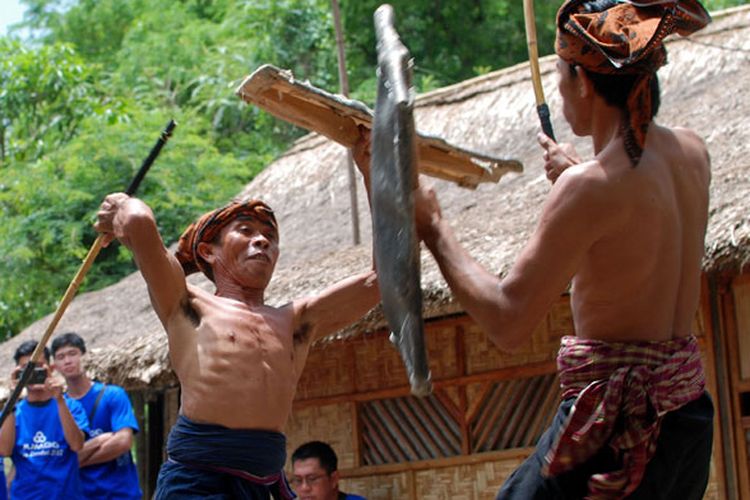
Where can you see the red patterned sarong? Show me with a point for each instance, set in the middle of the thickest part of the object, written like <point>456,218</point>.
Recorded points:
<point>622,391</point>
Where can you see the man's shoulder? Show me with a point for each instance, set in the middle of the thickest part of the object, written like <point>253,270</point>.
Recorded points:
<point>687,134</point>
<point>113,398</point>
<point>684,142</point>
<point>112,391</point>
<point>75,406</point>
<point>585,181</point>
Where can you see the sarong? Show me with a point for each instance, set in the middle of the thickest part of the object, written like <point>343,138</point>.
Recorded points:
<point>634,420</point>
<point>214,462</point>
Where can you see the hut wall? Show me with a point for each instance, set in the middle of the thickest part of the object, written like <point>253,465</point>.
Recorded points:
<point>381,487</point>
<point>487,411</point>
<point>333,423</point>
<point>736,303</point>
<point>448,481</point>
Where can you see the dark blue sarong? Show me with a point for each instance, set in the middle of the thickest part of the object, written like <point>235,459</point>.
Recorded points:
<point>210,461</point>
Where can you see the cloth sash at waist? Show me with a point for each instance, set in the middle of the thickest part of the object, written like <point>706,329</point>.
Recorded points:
<point>254,455</point>
<point>622,391</point>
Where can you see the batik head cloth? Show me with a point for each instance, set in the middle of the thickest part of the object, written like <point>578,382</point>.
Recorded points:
<point>626,38</point>
<point>208,227</point>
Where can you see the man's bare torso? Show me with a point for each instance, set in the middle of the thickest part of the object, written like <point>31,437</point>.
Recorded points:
<point>641,280</point>
<point>238,366</point>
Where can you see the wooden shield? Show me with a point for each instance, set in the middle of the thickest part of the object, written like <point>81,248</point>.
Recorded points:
<point>393,179</point>
<point>278,92</point>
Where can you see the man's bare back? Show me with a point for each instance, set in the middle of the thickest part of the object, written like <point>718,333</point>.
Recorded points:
<point>630,239</point>
<point>238,360</point>
<point>641,279</point>
<point>627,228</point>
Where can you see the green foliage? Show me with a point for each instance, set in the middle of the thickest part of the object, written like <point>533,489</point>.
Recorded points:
<point>97,41</point>
<point>48,205</point>
<point>450,41</point>
<point>714,5</point>
<point>44,94</point>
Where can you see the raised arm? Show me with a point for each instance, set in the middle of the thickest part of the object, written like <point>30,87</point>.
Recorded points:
<point>74,436</point>
<point>337,306</point>
<point>509,309</point>
<point>8,430</point>
<point>348,300</point>
<point>132,222</point>
<point>361,153</point>
<point>8,435</point>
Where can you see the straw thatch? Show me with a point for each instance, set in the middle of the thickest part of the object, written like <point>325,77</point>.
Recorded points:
<point>705,87</point>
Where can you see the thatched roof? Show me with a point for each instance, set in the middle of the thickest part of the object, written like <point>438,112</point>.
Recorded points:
<point>705,87</point>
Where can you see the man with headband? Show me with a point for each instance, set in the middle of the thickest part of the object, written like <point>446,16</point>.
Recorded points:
<point>628,228</point>
<point>238,360</point>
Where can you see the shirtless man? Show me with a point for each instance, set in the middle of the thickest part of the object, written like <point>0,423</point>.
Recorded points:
<point>238,360</point>
<point>627,227</point>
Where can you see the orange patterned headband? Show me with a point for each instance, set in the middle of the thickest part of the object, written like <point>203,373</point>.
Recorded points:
<point>209,225</point>
<point>626,38</point>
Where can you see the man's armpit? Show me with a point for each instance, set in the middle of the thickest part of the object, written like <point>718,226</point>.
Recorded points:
<point>302,334</point>
<point>189,311</point>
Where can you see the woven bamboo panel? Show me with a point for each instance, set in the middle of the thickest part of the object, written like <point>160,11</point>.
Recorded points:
<point>328,371</point>
<point>379,365</point>
<point>441,351</point>
<point>330,423</point>
<point>559,322</point>
<point>483,356</point>
<point>380,487</point>
<point>464,482</point>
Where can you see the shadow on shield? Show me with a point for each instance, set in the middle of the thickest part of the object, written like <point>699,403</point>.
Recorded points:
<point>393,177</point>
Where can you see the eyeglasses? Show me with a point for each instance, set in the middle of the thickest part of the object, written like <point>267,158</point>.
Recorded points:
<point>310,480</point>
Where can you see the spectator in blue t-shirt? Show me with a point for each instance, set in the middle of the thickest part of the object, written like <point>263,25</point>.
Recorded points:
<point>315,474</point>
<point>107,468</point>
<point>3,485</point>
<point>43,435</point>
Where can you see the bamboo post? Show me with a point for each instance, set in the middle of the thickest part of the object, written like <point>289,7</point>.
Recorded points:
<point>344,83</point>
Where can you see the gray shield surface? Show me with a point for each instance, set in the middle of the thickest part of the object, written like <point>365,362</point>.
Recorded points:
<point>393,179</point>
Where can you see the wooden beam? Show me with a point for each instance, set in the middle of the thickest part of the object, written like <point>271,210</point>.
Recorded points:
<point>723,385</point>
<point>439,463</point>
<point>356,435</point>
<point>141,443</point>
<point>171,410</point>
<point>731,316</point>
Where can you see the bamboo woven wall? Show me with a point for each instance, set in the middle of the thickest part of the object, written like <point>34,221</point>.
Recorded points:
<point>456,347</point>
<point>346,378</point>
<point>482,355</point>
<point>381,487</point>
<point>332,423</point>
<point>464,482</point>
